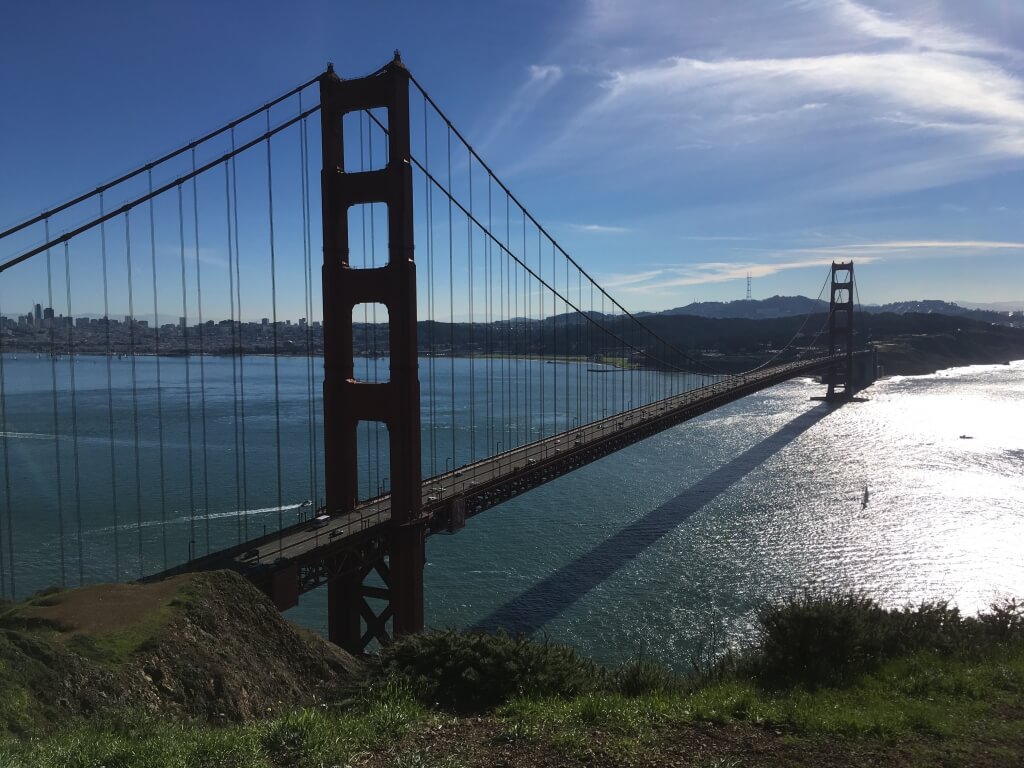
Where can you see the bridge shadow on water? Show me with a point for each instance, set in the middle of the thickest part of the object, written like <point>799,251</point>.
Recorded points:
<point>531,610</point>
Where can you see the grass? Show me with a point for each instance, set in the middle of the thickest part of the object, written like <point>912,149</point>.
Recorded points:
<point>918,686</point>
<point>921,696</point>
<point>306,737</point>
<point>828,666</point>
<point>115,647</point>
<point>111,645</point>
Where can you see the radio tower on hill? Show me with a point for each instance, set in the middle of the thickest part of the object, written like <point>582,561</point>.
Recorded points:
<point>748,286</point>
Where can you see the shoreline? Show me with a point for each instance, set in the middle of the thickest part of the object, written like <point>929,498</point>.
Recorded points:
<point>934,365</point>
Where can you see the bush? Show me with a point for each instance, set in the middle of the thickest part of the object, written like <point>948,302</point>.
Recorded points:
<point>473,672</point>
<point>1005,620</point>
<point>818,638</point>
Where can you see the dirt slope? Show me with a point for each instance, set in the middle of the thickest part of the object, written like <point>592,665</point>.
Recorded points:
<point>205,645</point>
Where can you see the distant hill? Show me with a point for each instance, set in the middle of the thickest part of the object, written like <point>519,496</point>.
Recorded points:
<point>937,307</point>
<point>750,309</point>
<point>996,306</point>
<point>796,306</point>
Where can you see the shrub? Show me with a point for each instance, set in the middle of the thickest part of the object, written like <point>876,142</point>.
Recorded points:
<point>1005,620</point>
<point>819,638</point>
<point>475,672</point>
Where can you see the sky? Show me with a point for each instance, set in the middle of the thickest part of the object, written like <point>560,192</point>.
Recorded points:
<point>671,147</point>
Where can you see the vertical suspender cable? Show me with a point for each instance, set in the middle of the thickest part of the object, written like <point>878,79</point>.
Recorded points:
<point>202,353</point>
<point>472,355</point>
<point>235,343</point>
<point>135,387</point>
<point>188,378</point>
<point>8,504</point>
<point>540,316</point>
<point>241,356</point>
<point>518,344</point>
<point>506,409</point>
<point>307,278</point>
<point>488,281</point>
<point>516,365</point>
<point>273,301</point>
<point>307,299</point>
<point>314,459</point>
<point>56,419</point>
<point>554,335</point>
<point>451,301</point>
<point>432,352</point>
<point>74,417</point>
<point>159,382</point>
<point>581,361</point>
<point>110,399</point>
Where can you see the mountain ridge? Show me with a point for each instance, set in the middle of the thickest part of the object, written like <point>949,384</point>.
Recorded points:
<point>791,306</point>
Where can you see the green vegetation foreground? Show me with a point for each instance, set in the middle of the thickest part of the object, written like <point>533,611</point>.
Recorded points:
<point>203,672</point>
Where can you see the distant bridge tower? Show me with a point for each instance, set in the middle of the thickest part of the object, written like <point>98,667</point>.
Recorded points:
<point>840,326</point>
<point>352,621</point>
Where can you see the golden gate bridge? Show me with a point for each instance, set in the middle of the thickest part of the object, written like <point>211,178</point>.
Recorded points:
<point>466,359</point>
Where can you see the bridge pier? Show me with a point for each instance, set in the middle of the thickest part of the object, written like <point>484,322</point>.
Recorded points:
<point>394,575</point>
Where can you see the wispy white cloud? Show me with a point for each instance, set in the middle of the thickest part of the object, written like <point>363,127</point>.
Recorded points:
<point>664,279</point>
<point>981,245</point>
<point>600,229</point>
<point>548,74</point>
<point>540,80</point>
<point>929,83</point>
<point>919,102</point>
<point>716,237</point>
<point>873,23</point>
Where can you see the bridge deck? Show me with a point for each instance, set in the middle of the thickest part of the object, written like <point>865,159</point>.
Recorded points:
<point>451,497</point>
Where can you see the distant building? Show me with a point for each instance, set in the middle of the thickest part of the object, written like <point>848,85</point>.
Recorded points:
<point>39,314</point>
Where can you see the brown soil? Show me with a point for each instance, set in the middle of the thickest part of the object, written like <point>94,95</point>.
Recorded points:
<point>104,608</point>
<point>206,646</point>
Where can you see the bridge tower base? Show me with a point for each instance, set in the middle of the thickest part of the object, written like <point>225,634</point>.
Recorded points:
<point>841,384</point>
<point>392,576</point>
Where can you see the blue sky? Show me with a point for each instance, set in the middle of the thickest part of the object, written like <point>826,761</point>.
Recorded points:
<point>671,147</point>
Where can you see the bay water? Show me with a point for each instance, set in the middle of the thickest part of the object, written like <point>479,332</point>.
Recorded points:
<point>914,493</point>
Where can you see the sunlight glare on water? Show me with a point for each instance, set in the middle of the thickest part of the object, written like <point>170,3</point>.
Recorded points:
<point>652,550</point>
<point>677,539</point>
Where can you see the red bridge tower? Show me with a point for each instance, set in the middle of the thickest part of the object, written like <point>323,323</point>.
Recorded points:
<point>352,621</point>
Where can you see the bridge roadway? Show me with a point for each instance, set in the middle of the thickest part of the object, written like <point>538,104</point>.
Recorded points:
<point>304,549</point>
